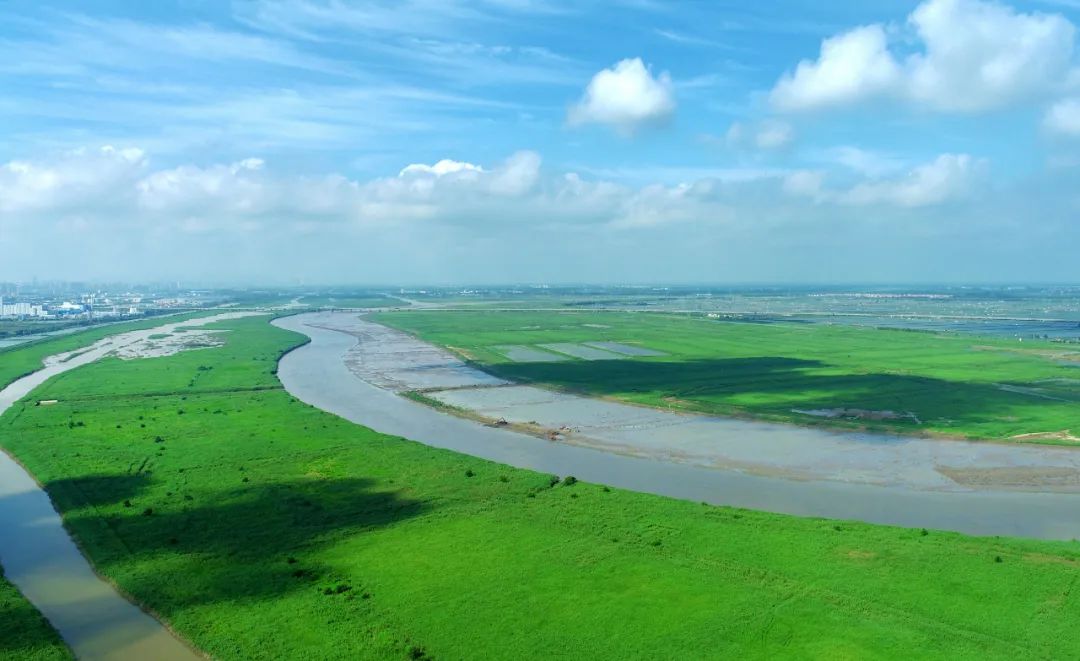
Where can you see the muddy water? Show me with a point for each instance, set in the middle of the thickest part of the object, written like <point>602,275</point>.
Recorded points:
<point>318,374</point>
<point>40,558</point>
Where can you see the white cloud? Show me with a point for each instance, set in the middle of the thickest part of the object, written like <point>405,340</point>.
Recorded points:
<point>973,56</point>
<point>1064,117</point>
<point>517,175</point>
<point>863,161</point>
<point>443,167</point>
<point>946,178</point>
<point>114,193</point>
<point>70,180</point>
<point>806,183</point>
<point>767,135</point>
<point>851,67</point>
<point>626,96</point>
<point>982,55</point>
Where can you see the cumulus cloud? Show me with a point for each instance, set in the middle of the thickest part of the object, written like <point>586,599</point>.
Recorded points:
<point>626,97</point>
<point>70,179</point>
<point>971,56</point>
<point>766,135</point>
<point>445,166</point>
<point>98,192</point>
<point>1064,117</point>
<point>948,177</point>
<point>851,67</point>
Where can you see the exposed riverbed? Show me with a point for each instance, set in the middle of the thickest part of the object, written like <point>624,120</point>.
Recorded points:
<point>355,368</point>
<point>41,559</point>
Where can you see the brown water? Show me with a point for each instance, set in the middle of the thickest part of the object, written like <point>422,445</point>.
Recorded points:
<point>40,558</point>
<point>787,476</point>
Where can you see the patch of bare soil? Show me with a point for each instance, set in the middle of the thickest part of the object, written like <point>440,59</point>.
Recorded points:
<point>176,342</point>
<point>1049,354</point>
<point>859,414</point>
<point>1063,435</point>
<point>1047,477</point>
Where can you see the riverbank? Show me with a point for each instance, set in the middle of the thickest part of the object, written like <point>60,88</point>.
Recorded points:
<point>810,375</point>
<point>399,363</point>
<point>24,634</point>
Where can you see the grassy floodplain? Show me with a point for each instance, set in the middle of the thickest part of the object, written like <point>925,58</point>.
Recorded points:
<point>260,527</point>
<point>951,384</point>
<point>20,360</point>
<point>24,634</point>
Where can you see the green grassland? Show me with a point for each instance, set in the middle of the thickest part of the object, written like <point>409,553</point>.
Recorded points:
<point>24,634</point>
<point>954,384</point>
<point>18,361</point>
<point>260,527</point>
<point>17,327</point>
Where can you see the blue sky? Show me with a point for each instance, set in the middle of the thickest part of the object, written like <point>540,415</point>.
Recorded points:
<point>536,140</point>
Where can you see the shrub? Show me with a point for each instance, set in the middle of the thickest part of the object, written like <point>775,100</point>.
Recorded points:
<point>569,481</point>
<point>469,473</point>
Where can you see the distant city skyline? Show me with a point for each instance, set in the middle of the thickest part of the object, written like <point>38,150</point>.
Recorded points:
<point>537,141</point>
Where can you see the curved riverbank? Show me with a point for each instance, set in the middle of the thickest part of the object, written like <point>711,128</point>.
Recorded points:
<point>42,560</point>
<point>317,374</point>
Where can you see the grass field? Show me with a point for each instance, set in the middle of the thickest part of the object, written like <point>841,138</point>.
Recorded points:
<point>24,634</point>
<point>20,360</point>
<point>260,527</point>
<point>15,328</point>
<point>950,384</point>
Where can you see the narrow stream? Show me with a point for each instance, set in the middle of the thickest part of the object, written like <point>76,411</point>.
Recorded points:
<point>40,558</point>
<point>317,373</point>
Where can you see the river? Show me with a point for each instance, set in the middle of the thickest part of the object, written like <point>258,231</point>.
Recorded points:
<point>318,373</point>
<point>40,558</point>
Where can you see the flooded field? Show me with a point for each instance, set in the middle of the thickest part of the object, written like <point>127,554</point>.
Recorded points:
<point>582,351</point>
<point>40,558</point>
<point>968,487</point>
<point>625,349</point>
<point>520,353</point>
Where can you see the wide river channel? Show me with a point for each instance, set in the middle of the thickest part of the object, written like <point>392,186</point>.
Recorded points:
<point>350,368</point>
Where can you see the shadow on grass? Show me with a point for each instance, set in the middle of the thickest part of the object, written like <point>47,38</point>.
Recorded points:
<point>24,633</point>
<point>780,384</point>
<point>222,545</point>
